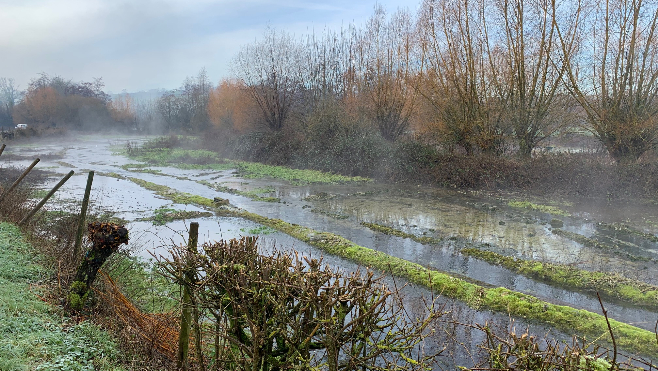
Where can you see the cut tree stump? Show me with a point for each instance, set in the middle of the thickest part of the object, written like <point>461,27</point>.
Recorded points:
<point>106,239</point>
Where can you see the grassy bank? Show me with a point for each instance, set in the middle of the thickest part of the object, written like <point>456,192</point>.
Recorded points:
<point>500,299</point>
<point>35,335</point>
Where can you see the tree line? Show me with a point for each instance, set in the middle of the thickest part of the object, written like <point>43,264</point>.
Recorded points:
<point>477,76</point>
<point>472,76</point>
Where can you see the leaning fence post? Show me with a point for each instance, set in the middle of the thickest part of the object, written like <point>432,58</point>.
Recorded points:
<point>83,214</point>
<point>186,312</point>
<point>2,149</point>
<point>45,199</point>
<point>20,178</point>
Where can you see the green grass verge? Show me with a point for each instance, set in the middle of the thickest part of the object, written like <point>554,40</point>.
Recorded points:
<point>563,318</point>
<point>537,207</point>
<point>608,285</point>
<point>33,335</point>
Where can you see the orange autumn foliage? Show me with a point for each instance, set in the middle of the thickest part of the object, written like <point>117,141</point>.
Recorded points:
<point>230,107</point>
<point>41,106</point>
<point>122,109</point>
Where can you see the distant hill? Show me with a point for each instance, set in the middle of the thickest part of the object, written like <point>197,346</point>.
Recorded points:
<point>143,96</point>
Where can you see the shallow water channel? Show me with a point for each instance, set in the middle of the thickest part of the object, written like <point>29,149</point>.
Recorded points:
<point>455,218</point>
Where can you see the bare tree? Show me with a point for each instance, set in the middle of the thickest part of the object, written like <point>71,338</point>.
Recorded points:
<point>195,94</point>
<point>272,70</point>
<point>9,96</point>
<point>388,64</point>
<point>457,77</point>
<point>528,74</point>
<point>615,80</point>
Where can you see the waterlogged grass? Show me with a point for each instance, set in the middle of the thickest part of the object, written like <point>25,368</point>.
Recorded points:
<point>330,214</point>
<point>39,194</point>
<point>499,299</point>
<point>590,242</point>
<point>33,335</point>
<point>173,195</point>
<point>538,207</point>
<point>294,176</point>
<point>395,232</point>
<point>563,318</point>
<point>609,286</point>
<point>203,159</point>
<point>165,156</point>
<point>624,229</point>
<point>165,215</point>
<point>258,194</point>
<point>260,230</point>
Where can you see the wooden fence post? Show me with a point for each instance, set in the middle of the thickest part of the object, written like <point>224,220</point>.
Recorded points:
<point>83,214</point>
<point>45,199</point>
<point>20,178</point>
<point>186,312</point>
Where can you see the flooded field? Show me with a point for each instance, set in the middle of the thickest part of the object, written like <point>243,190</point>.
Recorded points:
<point>600,236</point>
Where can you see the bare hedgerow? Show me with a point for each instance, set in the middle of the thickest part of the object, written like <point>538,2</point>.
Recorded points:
<point>283,311</point>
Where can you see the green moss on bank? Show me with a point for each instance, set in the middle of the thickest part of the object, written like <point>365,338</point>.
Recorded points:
<point>294,176</point>
<point>609,286</point>
<point>564,318</point>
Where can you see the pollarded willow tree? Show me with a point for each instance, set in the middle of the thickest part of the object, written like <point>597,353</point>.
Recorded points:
<point>272,69</point>
<point>457,76</point>
<point>614,78</point>
<point>527,75</point>
<point>388,63</point>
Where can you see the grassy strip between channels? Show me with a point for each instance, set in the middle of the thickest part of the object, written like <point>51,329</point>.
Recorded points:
<point>395,232</point>
<point>173,195</point>
<point>256,194</point>
<point>33,334</point>
<point>537,207</point>
<point>624,229</point>
<point>500,299</point>
<point>203,159</point>
<point>590,242</point>
<point>610,286</point>
<point>165,215</point>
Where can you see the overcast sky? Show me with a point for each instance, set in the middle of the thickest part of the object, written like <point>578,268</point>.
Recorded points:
<point>144,44</point>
